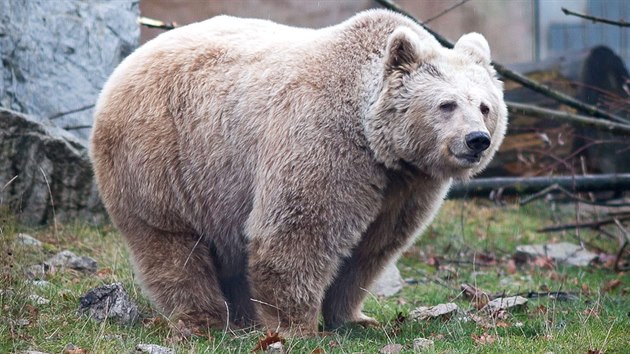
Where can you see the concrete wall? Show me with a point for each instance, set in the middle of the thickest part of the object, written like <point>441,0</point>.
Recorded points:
<point>507,25</point>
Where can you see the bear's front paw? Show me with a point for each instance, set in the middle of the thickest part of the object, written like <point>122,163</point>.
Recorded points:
<point>365,321</point>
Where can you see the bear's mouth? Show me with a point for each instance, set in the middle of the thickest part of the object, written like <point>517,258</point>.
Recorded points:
<point>469,158</point>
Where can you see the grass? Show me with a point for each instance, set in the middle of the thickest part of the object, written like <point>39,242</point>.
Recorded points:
<point>472,241</point>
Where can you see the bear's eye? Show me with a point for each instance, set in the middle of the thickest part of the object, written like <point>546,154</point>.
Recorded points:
<point>448,106</point>
<point>484,109</point>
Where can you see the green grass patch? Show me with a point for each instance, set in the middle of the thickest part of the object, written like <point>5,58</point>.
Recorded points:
<point>470,242</point>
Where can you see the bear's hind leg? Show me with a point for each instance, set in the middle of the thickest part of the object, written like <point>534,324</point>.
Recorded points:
<point>177,272</point>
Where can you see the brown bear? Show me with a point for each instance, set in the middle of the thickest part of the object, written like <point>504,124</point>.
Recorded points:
<point>265,174</point>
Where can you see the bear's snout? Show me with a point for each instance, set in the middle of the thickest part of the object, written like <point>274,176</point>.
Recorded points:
<point>477,141</point>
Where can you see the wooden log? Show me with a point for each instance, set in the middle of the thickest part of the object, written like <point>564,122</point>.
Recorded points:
<point>527,185</point>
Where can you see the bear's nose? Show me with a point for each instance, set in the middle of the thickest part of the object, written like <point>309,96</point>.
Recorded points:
<point>477,141</point>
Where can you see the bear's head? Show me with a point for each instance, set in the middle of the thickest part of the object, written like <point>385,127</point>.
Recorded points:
<point>440,110</point>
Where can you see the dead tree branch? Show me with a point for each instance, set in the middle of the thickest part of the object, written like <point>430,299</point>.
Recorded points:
<point>563,116</point>
<point>80,109</point>
<point>447,10</point>
<point>517,77</point>
<point>620,23</point>
<point>528,185</point>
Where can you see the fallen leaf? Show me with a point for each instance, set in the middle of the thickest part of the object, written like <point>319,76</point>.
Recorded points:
<point>104,272</point>
<point>585,290</point>
<point>541,309</point>
<point>511,267</point>
<point>333,344</point>
<point>591,312</point>
<point>399,318</point>
<point>611,285</point>
<point>318,350</point>
<point>478,297</point>
<point>543,262</point>
<point>270,338</point>
<point>483,339</point>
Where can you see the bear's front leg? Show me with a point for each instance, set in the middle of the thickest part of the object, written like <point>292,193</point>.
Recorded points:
<point>299,231</point>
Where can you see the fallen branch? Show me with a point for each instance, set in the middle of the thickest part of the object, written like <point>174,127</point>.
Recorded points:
<point>586,225</point>
<point>620,23</point>
<point>528,185</point>
<point>557,188</point>
<point>563,116</point>
<point>517,77</point>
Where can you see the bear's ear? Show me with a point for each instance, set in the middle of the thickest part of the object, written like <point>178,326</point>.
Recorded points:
<point>476,46</point>
<point>402,49</point>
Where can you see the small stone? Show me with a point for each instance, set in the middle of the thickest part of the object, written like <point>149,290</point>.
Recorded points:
<point>38,299</point>
<point>153,349</point>
<point>33,352</point>
<point>40,283</point>
<point>35,271</point>
<point>275,348</point>
<point>22,322</point>
<point>70,260</point>
<point>504,303</point>
<point>391,349</point>
<point>109,301</point>
<point>441,310</point>
<point>422,344</point>
<point>562,252</point>
<point>389,282</point>
<point>28,240</point>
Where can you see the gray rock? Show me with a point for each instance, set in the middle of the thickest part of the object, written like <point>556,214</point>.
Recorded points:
<point>422,344</point>
<point>38,299</point>
<point>70,260</point>
<point>35,271</point>
<point>441,310</point>
<point>45,172</point>
<point>391,349</point>
<point>109,301</point>
<point>389,282</point>
<point>275,348</point>
<point>563,252</point>
<point>504,303</point>
<point>40,283</point>
<point>153,349</point>
<point>56,55</point>
<point>28,240</point>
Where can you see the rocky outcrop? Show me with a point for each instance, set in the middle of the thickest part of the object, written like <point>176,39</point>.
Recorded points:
<point>45,172</point>
<point>56,55</point>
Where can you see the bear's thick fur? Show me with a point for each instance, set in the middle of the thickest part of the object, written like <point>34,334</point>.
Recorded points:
<point>270,172</point>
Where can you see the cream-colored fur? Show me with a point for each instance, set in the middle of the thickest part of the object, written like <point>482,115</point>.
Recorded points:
<point>242,159</point>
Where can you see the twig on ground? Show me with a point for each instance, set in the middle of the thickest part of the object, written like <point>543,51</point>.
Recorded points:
<point>626,237</point>
<point>591,225</point>
<point>620,23</point>
<point>516,77</point>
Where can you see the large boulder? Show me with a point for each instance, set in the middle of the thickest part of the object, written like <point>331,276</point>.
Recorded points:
<point>56,55</point>
<point>45,172</point>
